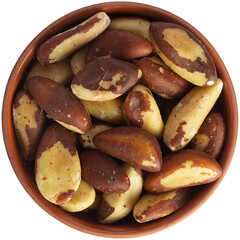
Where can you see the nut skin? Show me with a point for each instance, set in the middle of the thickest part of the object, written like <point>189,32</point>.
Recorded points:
<point>60,104</point>
<point>105,79</point>
<point>131,144</point>
<point>29,122</point>
<point>103,173</point>
<point>57,165</point>
<point>161,79</point>
<point>119,44</point>
<point>183,52</point>
<point>141,110</point>
<point>63,44</point>
<point>188,115</point>
<point>136,25</point>
<point>113,207</point>
<point>211,135</point>
<point>154,206</point>
<point>184,168</point>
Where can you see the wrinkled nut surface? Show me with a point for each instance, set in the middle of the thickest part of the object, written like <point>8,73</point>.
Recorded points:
<point>63,44</point>
<point>57,166</point>
<point>60,104</point>
<point>105,79</point>
<point>141,110</point>
<point>161,79</point>
<point>183,52</point>
<point>131,144</point>
<point>188,115</point>
<point>83,198</point>
<point>59,72</point>
<point>110,111</point>
<point>183,169</point>
<point>154,206</point>
<point>113,207</point>
<point>118,44</point>
<point>103,173</point>
<point>137,25</point>
<point>78,60</point>
<point>29,122</point>
<point>211,135</point>
<point>86,140</point>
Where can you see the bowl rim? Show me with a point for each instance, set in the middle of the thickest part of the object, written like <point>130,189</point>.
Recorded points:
<point>15,78</point>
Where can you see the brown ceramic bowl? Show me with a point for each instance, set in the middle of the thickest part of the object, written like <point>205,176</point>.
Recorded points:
<point>128,227</point>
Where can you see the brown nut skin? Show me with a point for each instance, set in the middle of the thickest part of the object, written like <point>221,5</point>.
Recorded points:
<point>29,121</point>
<point>103,173</point>
<point>57,165</point>
<point>183,52</point>
<point>141,110</point>
<point>154,206</point>
<point>184,168</point>
<point>132,145</point>
<point>161,79</point>
<point>210,136</point>
<point>105,79</point>
<point>119,44</point>
<point>63,44</point>
<point>60,104</point>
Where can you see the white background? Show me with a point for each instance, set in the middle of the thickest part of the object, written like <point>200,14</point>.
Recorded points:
<point>21,217</point>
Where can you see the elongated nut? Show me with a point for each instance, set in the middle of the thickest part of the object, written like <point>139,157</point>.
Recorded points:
<point>137,25</point>
<point>105,79</point>
<point>141,110</point>
<point>103,173</point>
<point>183,52</point>
<point>59,72</point>
<point>154,206</point>
<point>86,140</point>
<point>57,166</point>
<point>133,145</point>
<point>60,104</point>
<point>110,111</point>
<point>188,115</point>
<point>63,44</point>
<point>161,79</point>
<point>82,198</point>
<point>113,207</point>
<point>119,44</point>
<point>183,169</point>
<point>29,122</point>
<point>211,135</point>
<point>78,60</point>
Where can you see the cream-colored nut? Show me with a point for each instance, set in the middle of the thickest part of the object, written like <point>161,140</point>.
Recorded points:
<point>63,44</point>
<point>141,110</point>
<point>133,24</point>
<point>78,60</point>
<point>82,198</point>
<point>188,115</point>
<point>110,111</point>
<point>113,207</point>
<point>29,122</point>
<point>59,72</point>
<point>184,168</point>
<point>183,52</point>
<point>154,206</point>
<point>58,170</point>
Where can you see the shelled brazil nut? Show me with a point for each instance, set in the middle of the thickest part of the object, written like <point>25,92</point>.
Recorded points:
<point>104,104</point>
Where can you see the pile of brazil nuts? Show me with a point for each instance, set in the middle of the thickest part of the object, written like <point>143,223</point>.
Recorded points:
<point>89,116</point>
